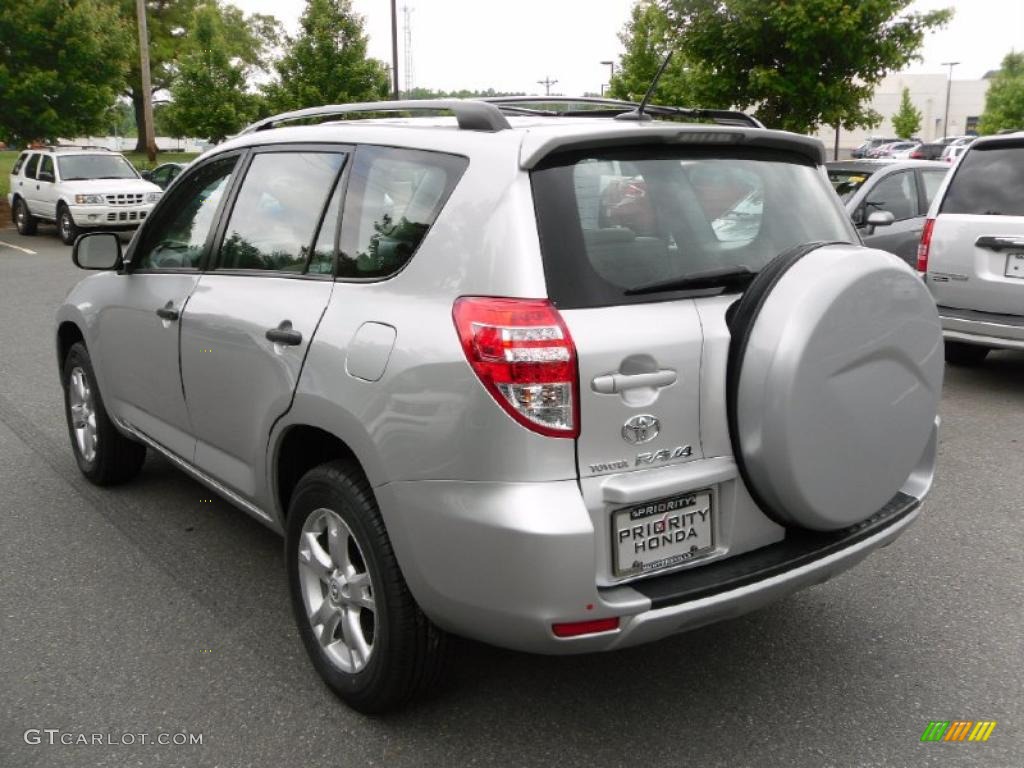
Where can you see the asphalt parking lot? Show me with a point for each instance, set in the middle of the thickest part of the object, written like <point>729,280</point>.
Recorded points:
<point>148,609</point>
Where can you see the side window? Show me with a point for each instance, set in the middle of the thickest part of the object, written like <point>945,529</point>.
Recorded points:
<point>896,193</point>
<point>46,169</point>
<point>176,238</point>
<point>277,210</point>
<point>394,196</point>
<point>159,177</point>
<point>932,181</point>
<point>30,169</point>
<point>18,163</point>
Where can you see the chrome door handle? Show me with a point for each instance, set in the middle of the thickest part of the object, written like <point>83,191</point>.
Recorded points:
<point>167,312</point>
<point>999,243</point>
<point>612,383</point>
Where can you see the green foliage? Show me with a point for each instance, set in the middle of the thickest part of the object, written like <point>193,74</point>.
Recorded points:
<point>798,63</point>
<point>61,65</point>
<point>326,62</point>
<point>648,38</point>
<point>907,121</point>
<point>209,93</point>
<point>1004,102</point>
<point>462,93</point>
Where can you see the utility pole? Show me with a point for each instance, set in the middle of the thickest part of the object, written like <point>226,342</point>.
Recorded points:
<point>394,50</point>
<point>147,83</point>
<point>547,82</point>
<point>407,13</point>
<point>949,83</point>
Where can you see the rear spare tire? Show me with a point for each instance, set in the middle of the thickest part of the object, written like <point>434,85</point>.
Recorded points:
<point>833,383</point>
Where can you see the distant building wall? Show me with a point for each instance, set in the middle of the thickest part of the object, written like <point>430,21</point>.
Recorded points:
<point>928,94</point>
<point>126,143</point>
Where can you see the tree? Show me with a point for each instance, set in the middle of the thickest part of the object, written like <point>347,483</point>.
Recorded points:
<point>907,121</point>
<point>1004,102</point>
<point>647,39</point>
<point>62,62</point>
<point>326,62</point>
<point>248,38</point>
<point>209,92</point>
<point>798,63</point>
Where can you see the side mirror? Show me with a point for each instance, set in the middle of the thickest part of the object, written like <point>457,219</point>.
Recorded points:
<point>880,219</point>
<point>97,250</point>
<point>147,175</point>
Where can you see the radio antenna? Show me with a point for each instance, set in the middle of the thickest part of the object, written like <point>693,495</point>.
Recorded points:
<point>638,113</point>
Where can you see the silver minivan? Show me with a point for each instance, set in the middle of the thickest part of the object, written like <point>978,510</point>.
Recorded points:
<point>972,250</point>
<point>560,381</point>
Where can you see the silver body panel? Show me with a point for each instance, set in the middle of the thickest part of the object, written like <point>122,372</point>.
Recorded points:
<point>499,531</point>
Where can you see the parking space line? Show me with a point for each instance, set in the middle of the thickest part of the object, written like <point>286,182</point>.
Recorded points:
<point>18,248</point>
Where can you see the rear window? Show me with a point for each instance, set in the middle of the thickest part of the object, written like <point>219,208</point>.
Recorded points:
<point>617,220</point>
<point>988,182</point>
<point>846,183</point>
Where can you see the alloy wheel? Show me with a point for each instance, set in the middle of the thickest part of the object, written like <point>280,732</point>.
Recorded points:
<point>337,590</point>
<point>83,414</point>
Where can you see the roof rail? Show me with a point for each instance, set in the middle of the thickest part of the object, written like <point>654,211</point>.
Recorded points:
<point>77,146</point>
<point>615,107</point>
<point>471,115</point>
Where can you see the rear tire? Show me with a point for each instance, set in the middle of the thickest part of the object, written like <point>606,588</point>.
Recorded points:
<point>23,220</point>
<point>959,353</point>
<point>66,225</point>
<point>105,456</point>
<point>363,630</point>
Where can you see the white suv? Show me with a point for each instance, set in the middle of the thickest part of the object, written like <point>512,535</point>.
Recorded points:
<point>78,188</point>
<point>972,250</point>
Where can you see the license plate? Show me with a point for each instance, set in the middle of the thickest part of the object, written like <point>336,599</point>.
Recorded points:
<point>659,534</point>
<point>1015,264</point>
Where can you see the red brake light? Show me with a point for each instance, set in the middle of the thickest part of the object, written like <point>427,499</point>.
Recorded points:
<point>577,628</point>
<point>924,246</point>
<point>524,356</point>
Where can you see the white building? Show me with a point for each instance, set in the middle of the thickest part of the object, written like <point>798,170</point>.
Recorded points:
<point>928,93</point>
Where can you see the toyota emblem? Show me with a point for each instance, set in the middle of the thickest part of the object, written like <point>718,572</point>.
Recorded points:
<point>641,429</point>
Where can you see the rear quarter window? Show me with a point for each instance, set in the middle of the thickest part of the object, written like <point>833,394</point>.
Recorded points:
<point>394,196</point>
<point>18,163</point>
<point>988,182</point>
<point>615,220</point>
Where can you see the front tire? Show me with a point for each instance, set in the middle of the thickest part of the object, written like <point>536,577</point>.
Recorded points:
<point>23,220</point>
<point>104,455</point>
<point>363,630</point>
<point>958,353</point>
<point>66,226</point>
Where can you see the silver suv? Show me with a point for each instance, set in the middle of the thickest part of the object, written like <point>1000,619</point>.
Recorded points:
<point>558,382</point>
<point>972,250</point>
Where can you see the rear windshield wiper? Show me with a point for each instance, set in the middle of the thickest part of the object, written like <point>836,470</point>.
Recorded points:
<point>722,277</point>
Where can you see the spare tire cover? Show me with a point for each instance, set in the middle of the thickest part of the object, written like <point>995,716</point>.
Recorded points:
<point>834,378</point>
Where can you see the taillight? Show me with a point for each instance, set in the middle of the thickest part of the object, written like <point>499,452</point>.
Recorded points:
<point>917,155</point>
<point>523,354</point>
<point>924,246</point>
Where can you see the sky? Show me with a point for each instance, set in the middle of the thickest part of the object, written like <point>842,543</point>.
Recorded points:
<point>510,46</point>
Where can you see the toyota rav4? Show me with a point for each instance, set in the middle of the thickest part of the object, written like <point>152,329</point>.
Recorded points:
<point>557,381</point>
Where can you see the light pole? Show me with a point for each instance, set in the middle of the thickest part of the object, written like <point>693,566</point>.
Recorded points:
<point>949,83</point>
<point>394,49</point>
<point>612,65</point>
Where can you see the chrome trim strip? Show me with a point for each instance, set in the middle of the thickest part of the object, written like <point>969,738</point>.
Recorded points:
<point>198,474</point>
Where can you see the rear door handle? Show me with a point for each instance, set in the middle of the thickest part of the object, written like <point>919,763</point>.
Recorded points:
<point>612,383</point>
<point>284,334</point>
<point>167,312</point>
<point>999,243</point>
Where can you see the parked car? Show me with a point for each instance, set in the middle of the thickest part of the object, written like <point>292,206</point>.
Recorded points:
<point>902,151</point>
<point>955,149</point>
<point>433,354</point>
<point>870,144</point>
<point>930,151</point>
<point>888,150</point>
<point>972,250</point>
<point>78,189</point>
<point>163,174</point>
<point>888,201</point>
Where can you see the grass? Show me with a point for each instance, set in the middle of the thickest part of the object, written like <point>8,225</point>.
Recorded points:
<point>139,160</point>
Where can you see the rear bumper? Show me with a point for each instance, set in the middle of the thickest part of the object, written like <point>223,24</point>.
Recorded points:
<point>502,562</point>
<point>984,329</point>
